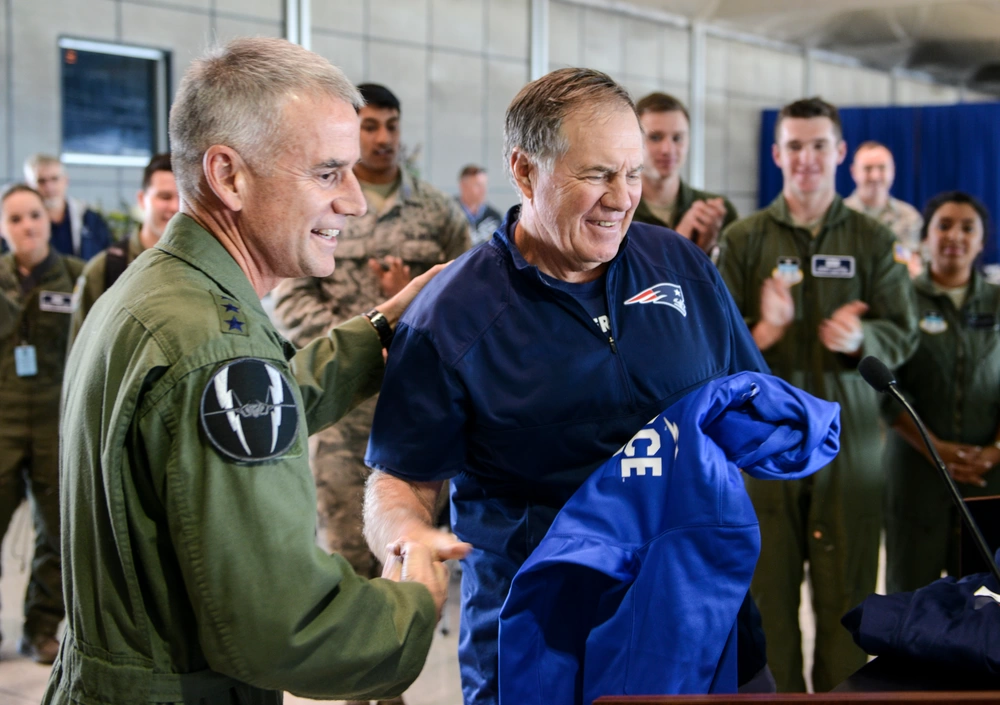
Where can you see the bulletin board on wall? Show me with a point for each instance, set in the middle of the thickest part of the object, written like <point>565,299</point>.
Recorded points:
<point>936,148</point>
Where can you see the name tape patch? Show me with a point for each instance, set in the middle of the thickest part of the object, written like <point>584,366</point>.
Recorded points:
<point>833,266</point>
<point>56,301</point>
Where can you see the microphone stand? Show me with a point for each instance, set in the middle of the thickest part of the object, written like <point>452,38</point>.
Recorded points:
<point>963,509</point>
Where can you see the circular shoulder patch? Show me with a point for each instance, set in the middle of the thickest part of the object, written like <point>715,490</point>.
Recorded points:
<point>248,411</point>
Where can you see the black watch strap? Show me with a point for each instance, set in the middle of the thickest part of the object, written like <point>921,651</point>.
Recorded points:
<point>381,325</point>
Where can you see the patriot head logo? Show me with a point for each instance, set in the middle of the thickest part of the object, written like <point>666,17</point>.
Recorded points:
<point>667,294</point>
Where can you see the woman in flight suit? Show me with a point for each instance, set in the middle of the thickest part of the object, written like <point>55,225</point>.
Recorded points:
<point>953,381</point>
<point>36,285</point>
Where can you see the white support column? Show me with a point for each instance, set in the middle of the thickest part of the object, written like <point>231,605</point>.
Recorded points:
<point>305,23</point>
<point>539,36</point>
<point>696,104</point>
<point>808,82</point>
<point>292,25</point>
<point>298,22</point>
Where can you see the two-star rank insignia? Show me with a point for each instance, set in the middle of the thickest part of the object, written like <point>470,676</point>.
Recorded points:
<point>231,317</point>
<point>248,411</point>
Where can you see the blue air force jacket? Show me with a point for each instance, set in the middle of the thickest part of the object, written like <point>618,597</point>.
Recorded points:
<point>636,586</point>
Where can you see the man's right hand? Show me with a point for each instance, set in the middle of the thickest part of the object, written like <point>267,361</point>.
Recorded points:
<point>394,307</point>
<point>703,222</point>
<point>412,561</point>
<point>777,306</point>
<point>777,309</point>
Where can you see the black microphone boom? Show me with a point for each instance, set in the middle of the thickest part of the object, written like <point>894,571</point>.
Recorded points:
<point>880,378</point>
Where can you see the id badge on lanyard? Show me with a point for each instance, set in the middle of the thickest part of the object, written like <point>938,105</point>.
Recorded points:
<point>25,361</point>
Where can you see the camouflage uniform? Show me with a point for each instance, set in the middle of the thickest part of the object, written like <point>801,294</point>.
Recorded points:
<point>900,217</point>
<point>422,226</point>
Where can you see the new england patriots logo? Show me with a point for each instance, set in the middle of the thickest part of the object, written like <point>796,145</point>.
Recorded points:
<point>248,411</point>
<point>667,294</point>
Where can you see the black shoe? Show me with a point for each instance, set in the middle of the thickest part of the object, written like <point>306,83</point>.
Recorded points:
<point>42,649</point>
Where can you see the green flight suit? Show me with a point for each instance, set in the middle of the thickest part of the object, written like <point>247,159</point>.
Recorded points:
<point>190,577</point>
<point>91,283</point>
<point>953,382</point>
<point>686,197</point>
<point>832,519</point>
<point>36,313</point>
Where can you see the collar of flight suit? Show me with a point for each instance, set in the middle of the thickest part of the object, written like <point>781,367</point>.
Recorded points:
<point>186,239</point>
<point>976,288</point>
<point>837,212</point>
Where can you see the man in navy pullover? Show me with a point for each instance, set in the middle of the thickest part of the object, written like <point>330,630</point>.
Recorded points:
<point>532,359</point>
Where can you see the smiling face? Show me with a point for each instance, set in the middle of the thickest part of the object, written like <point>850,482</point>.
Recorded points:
<point>291,216</point>
<point>24,224</point>
<point>808,152</point>
<point>159,202</point>
<point>954,239</point>
<point>379,139</point>
<point>873,172</point>
<point>583,207</point>
<point>666,142</point>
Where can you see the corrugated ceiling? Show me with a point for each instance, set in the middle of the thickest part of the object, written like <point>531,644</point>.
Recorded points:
<point>956,41</point>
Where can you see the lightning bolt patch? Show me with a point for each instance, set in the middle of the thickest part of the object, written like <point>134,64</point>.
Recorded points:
<point>248,411</point>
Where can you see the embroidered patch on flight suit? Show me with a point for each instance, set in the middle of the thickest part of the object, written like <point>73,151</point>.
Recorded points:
<point>933,323</point>
<point>789,270</point>
<point>901,253</point>
<point>833,266</point>
<point>55,301</point>
<point>248,411</point>
<point>231,316</point>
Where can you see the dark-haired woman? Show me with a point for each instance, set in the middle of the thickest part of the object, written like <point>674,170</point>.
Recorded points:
<point>36,285</point>
<point>953,381</point>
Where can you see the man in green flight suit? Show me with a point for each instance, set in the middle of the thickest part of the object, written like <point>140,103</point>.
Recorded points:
<point>191,569</point>
<point>667,200</point>
<point>819,286</point>
<point>158,201</point>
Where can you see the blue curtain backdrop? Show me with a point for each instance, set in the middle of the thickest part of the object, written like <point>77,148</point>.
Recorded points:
<point>936,148</point>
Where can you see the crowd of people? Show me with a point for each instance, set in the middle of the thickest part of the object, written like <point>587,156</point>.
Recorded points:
<point>197,440</point>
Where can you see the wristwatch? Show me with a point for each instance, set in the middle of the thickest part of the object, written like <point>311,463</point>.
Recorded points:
<point>381,325</point>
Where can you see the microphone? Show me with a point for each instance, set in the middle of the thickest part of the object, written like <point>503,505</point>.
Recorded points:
<point>880,378</point>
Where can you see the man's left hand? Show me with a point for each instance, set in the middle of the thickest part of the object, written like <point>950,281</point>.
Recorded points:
<point>391,273</point>
<point>842,332</point>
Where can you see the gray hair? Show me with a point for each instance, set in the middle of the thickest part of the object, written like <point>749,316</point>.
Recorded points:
<point>32,163</point>
<point>234,96</point>
<point>534,118</point>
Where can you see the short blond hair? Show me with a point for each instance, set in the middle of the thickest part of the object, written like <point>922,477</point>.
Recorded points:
<point>234,96</point>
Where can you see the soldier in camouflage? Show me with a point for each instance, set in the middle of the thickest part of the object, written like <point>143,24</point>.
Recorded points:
<point>873,171</point>
<point>409,227</point>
